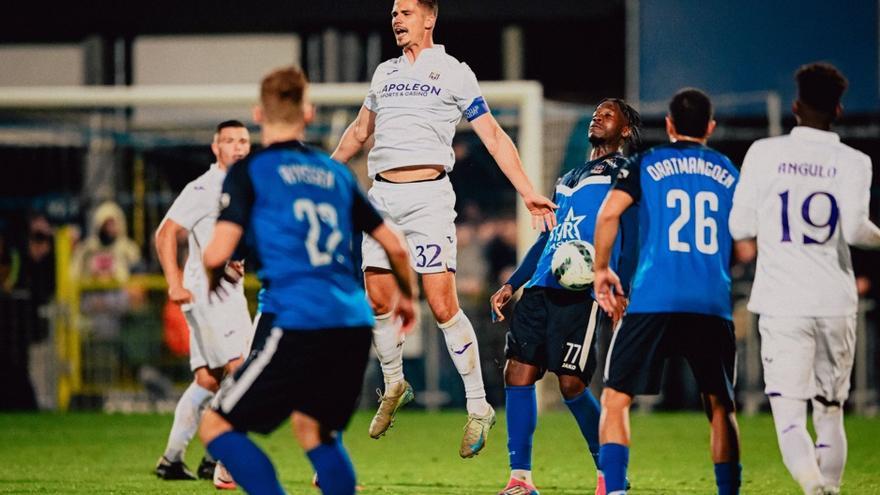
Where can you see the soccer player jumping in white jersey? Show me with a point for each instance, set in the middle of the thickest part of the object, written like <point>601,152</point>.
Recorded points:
<point>412,108</point>
<point>805,197</point>
<point>219,333</point>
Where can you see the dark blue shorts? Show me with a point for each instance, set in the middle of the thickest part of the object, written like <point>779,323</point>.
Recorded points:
<point>317,372</point>
<point>641,345</point>
<point>555,330</point>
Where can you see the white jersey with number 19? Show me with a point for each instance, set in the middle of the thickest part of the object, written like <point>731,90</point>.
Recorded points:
<point>805,197</point>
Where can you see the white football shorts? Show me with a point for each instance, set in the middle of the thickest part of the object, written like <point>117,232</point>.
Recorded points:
<point>424,212</point>
<point>218,332</point>
<point>806,357</point>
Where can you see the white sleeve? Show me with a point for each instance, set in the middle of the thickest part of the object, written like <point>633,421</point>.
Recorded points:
<point>190,206</point>
<point>858,230</point>
<point>743,222</point>
<point>370,100</point>
<point>469,97</point>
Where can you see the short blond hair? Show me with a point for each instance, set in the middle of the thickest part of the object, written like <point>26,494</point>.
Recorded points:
<point>430,5</point>
<point>282,93</point>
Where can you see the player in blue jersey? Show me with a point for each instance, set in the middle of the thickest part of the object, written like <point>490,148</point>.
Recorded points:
<point>553,328</point>
<point>299,209</point>
<point>679,299</point>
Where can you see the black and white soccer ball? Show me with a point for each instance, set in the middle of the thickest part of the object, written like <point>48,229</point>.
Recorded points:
<point>572,265</point>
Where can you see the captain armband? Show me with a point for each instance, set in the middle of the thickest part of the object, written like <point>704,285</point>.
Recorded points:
<point>478,107</point>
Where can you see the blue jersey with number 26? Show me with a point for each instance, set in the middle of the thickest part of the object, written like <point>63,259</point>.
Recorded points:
<point>300,209</point>
<point>684,192</point>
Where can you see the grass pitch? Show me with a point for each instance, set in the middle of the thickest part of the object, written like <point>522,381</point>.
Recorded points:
<point>97,453</point>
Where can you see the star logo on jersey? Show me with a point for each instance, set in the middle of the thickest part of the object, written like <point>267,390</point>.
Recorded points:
<point>434,76</point>
<point>567,230</point>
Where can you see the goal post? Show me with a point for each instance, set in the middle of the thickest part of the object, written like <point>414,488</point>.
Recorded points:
<point>526,96</point>
<point>99,119</point>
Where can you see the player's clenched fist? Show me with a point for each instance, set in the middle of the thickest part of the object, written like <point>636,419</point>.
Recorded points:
<point>179,295</point>
<point>408,312</point>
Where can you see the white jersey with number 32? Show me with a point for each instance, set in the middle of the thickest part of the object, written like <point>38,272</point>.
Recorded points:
<point>805,197</point>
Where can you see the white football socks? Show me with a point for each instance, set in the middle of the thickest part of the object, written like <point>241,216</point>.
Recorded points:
<point>461,341</point>
<point>798,452</point>
<point>388,342</point>
<point>187,416</point>
<point>830,441</point>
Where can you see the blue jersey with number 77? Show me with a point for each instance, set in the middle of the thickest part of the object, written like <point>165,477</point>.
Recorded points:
<point>684,192</point>
<point>299,209</point>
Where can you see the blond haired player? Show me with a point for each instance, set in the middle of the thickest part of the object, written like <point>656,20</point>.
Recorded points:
<point>412,108</point>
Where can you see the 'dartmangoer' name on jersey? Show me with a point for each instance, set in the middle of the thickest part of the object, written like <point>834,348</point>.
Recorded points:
<point>684,192</point>
<point>417,107</point>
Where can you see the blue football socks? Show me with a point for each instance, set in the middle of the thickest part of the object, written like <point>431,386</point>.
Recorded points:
<point>334,469</point>
<point>586,410</point>
<point>614,458</point>
<point>522,419</point>
<point>249,466</point>
<point>728,477</point>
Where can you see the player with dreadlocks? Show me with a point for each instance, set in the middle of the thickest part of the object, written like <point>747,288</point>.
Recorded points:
<point>553,328</point>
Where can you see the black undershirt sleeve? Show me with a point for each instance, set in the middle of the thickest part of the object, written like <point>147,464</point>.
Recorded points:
<point>238,195</point>
<point>629,178</point>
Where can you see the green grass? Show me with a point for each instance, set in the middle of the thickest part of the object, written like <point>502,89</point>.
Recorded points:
<point>96,453</point>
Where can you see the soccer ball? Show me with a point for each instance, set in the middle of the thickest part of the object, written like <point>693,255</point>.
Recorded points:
<point>572,265</point>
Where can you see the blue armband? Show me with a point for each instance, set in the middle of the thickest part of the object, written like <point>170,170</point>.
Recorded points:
<point>478,107</point>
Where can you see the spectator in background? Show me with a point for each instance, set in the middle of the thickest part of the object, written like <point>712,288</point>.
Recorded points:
<point>501,250</point>
<point>27,272</point>
<point>107,255</point>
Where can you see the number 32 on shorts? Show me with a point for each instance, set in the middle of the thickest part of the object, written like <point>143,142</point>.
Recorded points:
<point>426,255</point>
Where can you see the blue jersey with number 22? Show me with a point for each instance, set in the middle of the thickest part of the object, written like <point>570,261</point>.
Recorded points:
<point>684,193</point>
<point>300,209</point>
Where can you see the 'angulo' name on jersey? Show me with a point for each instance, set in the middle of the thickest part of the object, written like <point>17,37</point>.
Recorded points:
<point>684,192</point>
<point>579,195</point>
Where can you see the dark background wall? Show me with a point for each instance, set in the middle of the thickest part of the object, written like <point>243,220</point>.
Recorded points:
<point>754,45</point>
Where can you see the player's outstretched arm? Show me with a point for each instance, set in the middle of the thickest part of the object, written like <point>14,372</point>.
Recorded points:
<point>166,249</point>
<point>504,152</point>
<point>609,290</point>
<point>354,137</point>
<point>398,256</point>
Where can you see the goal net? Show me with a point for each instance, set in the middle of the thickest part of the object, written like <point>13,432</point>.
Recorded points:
<point>117,344</point>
